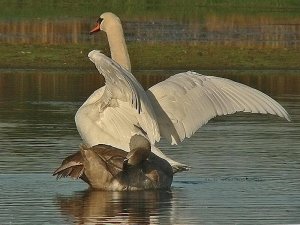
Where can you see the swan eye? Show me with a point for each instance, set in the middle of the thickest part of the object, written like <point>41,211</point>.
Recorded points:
<point>99,20</point>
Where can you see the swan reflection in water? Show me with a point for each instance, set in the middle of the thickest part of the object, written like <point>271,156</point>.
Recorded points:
<point>137,207</point>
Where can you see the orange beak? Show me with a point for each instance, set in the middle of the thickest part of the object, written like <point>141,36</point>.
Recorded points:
<point>96,29</point>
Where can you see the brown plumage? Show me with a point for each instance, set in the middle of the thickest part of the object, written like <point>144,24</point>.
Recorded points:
<point>107,168</point>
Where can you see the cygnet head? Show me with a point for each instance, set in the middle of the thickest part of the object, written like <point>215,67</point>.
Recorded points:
<point>139,141</point>
<point>140,149</point>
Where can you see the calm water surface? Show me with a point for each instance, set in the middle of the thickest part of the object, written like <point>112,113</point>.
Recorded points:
<point>245,168</point>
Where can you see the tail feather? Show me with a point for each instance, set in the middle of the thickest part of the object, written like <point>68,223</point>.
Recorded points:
<point>71,166</point>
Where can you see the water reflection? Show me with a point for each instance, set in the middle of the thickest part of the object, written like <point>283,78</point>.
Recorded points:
<point>57,85</point>
<point>233,29</point>
<point>97,207</point>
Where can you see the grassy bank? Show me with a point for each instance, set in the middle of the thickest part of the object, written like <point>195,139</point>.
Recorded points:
<point>175,9</point>
<point>145,55</point>
<point>151,56</point>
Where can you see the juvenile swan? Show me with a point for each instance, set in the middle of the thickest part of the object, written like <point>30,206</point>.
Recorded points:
<point>104,167</point>
<point>174,109</point>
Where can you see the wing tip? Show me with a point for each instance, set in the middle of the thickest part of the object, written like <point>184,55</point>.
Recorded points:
<point>287,117</point>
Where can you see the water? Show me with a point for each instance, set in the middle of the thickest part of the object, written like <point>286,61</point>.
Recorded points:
<point>245,168</point>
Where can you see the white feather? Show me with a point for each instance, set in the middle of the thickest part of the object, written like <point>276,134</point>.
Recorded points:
<point>186,101</point>
<point>115,112</point>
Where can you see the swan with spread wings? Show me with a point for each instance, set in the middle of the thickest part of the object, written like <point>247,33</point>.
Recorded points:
<point>174,109</point>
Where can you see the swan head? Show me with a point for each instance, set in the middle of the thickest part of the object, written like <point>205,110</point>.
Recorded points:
<point>111,25</point>
<point>105,21</point>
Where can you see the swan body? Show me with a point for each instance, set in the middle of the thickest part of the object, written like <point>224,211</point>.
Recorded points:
<point>104,167</point>
<point>174,108</point>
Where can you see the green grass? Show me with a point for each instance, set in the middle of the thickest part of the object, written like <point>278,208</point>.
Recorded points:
<point>201,56</point>
<point>175,9</point>
<point>151,56</point>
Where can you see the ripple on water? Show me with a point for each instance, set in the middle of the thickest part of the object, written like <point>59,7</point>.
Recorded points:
<point>245,170</point>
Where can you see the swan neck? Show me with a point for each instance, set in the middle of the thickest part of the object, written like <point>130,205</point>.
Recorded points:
<point>118,48</point>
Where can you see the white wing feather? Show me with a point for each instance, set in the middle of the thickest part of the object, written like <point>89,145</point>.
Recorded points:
<point>115,112</point>
<point>186,101</point>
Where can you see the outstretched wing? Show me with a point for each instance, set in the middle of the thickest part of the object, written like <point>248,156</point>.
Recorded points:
<point>115,112</point>
<point>186,101</point>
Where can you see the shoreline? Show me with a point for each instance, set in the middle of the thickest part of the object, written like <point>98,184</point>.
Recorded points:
<point>149,56</point>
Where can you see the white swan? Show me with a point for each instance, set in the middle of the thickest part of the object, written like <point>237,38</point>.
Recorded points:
<point>174,108</point>
<point>111,24</point>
